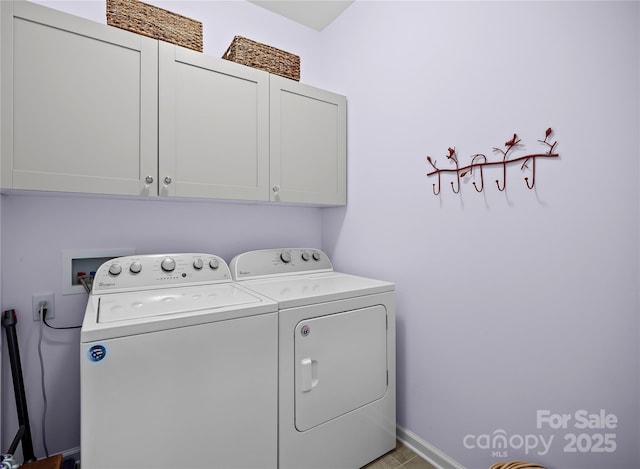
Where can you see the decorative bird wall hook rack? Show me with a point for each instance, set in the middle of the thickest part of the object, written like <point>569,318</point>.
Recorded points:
<point>479,160</point>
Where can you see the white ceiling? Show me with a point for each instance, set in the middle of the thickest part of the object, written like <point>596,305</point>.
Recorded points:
<point>316,14</point>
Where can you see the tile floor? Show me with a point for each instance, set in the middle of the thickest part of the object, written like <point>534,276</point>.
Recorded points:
<point>401,457</point>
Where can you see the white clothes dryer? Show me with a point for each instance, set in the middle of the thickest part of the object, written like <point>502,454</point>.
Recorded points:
<point>337,374</point>
<point>178,367</point>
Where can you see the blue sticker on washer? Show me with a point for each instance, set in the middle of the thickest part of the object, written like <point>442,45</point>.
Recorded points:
<point>97,353</point>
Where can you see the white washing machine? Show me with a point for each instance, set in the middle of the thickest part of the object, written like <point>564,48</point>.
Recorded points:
<point>178,367</point>
<point>337,374</point>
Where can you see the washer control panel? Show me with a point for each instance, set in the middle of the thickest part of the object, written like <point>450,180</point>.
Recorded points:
<point>159,271</point>
<point>276,262</point>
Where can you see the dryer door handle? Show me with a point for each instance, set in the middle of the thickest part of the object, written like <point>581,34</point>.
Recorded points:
<point>308,374</point>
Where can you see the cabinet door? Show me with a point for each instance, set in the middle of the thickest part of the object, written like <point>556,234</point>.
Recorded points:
<point>79,104</point>
<point>214,127</point>
<point>308,144</point>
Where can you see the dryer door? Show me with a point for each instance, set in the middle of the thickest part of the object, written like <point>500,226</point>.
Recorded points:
<point>340,364</point>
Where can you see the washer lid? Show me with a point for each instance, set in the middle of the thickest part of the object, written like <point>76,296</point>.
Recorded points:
<point>136,305</point>
<point>124,314</point>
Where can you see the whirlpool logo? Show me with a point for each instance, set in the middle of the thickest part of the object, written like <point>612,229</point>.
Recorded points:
<point>97,353</point>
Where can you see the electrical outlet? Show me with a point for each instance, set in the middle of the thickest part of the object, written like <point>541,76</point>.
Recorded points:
<point>35,303</point>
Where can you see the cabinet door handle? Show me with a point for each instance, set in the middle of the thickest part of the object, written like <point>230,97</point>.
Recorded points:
<point>148,181</point>
<point>167,181</point>
<point>276,189</point>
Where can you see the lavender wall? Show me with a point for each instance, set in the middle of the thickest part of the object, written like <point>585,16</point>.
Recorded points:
<point>512,306</point>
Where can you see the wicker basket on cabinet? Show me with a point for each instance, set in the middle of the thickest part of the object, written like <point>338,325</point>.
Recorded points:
<point>154,22</point>
<point>263,57</point>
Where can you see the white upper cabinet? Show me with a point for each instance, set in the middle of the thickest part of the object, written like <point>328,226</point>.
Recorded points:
<point>308,144</point>
<point>213,127</point>
<point>79,104</point>
<point>86,107</point>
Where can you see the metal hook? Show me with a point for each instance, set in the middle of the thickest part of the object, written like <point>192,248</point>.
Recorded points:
<point>504,177</point>
<point>458,177</point>
<point>479,165</point>
<point>533,172</point>
<point>434,186</point>
<point>481,182</point>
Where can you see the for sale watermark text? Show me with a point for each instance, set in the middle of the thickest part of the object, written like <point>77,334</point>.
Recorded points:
<point>583,431</point>
<point>581,419</point>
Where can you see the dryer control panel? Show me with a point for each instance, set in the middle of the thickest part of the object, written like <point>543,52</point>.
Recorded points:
<point>159,271</point>
<point>277,262</point>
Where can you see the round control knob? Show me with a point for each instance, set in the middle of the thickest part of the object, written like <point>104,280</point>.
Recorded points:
<point>168,264</point>
<point>135,267</point>
<point>285,257</point>
<point>197,264</point>
<point>305,256</point>
<point>214,264</point>
<point>115,269</point>
<point>316,256</point>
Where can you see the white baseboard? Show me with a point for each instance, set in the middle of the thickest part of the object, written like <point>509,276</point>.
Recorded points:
<point>427,451</point>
